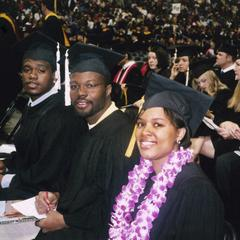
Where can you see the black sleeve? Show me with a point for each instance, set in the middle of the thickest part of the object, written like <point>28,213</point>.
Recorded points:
<point>56,136</point>
<point>85,202</point>
<point>52,27</point>
<point>200,213</point>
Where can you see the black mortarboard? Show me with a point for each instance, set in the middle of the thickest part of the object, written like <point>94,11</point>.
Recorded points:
<point>187,102</point>
<point>38,46</point>
<point>202,65</point>
<point>229,49</point>
<point>88,57</point>
<point>185,50</point>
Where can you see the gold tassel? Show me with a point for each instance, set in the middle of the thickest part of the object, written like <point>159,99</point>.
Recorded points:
<point>124,93</point>
<point>66,41</point>
<point>132,141</point>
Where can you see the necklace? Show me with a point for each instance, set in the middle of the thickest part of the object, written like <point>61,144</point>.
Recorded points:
<point>122,226</point>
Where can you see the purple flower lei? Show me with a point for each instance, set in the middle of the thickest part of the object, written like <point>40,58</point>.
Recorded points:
<point>122,226</point>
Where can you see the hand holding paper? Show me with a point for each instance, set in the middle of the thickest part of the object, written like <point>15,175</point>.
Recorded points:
<point>28,208</point>
<point>46,201</point>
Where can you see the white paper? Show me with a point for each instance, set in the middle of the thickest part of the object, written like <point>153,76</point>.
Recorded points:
<point>7,148</point>
<point>209,122</point>
<point>2,207</point>
<point>28,208</point>
<point>18,228</point>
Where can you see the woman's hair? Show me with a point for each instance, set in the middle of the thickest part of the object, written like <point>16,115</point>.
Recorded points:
<point>178,122</point>
<point>162,57</point>
<point>214,83</point>
<point>234,101</point>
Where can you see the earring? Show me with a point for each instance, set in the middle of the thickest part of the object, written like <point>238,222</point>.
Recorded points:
<point>178,141</point>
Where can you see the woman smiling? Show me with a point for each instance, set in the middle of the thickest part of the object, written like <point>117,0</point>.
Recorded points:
<point>167,195</point>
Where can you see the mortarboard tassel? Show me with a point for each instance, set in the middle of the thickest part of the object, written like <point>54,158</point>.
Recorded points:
<point>57,74</point>
<point>187,77</point>
<point>132,141</point>
<point>67,81</point>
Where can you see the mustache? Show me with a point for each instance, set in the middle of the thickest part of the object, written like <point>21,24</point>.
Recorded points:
<point>26,82</point>
<point>82,98</point>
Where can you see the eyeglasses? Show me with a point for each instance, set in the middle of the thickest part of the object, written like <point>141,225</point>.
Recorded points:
<point>87,86</point>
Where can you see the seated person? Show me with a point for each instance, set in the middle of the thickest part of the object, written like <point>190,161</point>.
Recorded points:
<point>229,131</point>
<point>44,139</point>
<point>100,166</point>
<point>167,195</point>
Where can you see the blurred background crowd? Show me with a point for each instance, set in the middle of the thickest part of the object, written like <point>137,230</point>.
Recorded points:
<point>130,25</point>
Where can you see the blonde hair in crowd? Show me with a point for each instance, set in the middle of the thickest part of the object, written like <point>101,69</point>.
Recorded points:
<point>214,83</point>
<point>234,101</point>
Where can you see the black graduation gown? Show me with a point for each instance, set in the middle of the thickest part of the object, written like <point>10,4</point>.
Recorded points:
<point>98,170</point>
<point>218,108</point>
<point>193,209</point>
<point>52,27</point>
<point>10,83</point>
<point>228,78</point>
<point>6,30</point>
<point>181,78</point>
<point>227,175</point>
<point>44,146</point>
<point>221,145</point>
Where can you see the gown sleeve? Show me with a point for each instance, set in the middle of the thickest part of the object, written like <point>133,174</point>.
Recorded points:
<point>53,152</point>
<point>200,213</point>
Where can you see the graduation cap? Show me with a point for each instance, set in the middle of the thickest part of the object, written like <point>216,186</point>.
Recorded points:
<point>185,50</point>
<point>187,102</point>
<point>38,46</point>
<point>88,57</point>
<point>202,65</point>
<point>229,49</point>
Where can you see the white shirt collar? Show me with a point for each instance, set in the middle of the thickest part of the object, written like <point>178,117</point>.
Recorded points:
<point>112,108</point>
<point>228,68</point>
<point>46,95</point>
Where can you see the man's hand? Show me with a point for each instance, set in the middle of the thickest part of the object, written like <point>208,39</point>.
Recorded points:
<point>46,201</point>
<point>53,222</point>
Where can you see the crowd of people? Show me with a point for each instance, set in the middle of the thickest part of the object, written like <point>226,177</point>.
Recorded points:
<point>142,148</point>
<point>131,25</point>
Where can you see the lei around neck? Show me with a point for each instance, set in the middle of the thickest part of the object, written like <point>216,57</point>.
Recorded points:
<point>122,226</point>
